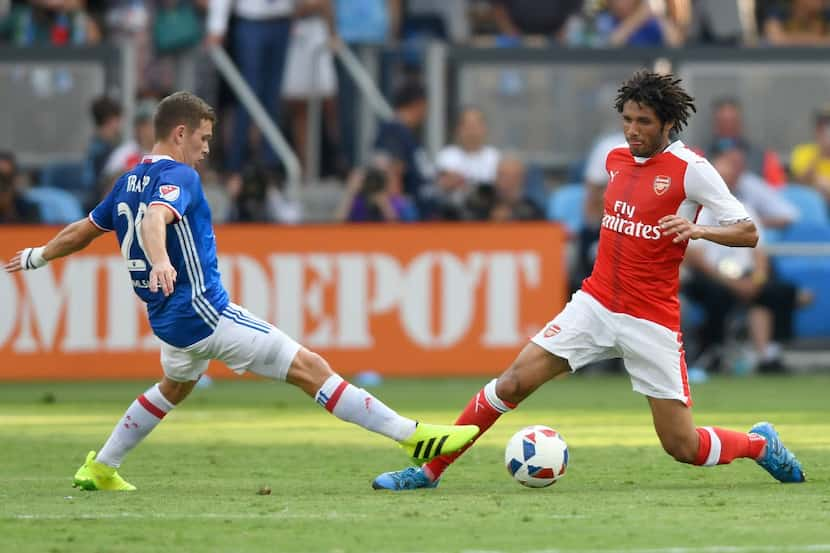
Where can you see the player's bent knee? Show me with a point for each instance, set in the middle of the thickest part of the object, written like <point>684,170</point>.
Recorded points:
<point>309,371</point>
<point>509,387</point>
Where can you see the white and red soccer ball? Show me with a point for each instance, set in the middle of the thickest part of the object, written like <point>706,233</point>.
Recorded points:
<point>536,456</point>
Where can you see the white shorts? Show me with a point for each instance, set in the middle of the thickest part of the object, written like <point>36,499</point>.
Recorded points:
<point>309,64</point>
<point>242,341</point>
<point>585,332</point>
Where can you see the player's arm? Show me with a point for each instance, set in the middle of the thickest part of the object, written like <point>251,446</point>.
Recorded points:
<point>70,239</point>
<point>705,186</point>
<point>154,237</point>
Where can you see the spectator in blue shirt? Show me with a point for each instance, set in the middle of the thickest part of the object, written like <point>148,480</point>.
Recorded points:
<point>633,23</point>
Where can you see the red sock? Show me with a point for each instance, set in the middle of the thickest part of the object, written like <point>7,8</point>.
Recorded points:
<point>718,446</point>
<point>483,410</point>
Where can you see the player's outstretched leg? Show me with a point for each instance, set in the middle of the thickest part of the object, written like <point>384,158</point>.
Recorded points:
<point>709,446</point>
<point>421,441</point>
<point>533,367</point>
<point>98,472</point>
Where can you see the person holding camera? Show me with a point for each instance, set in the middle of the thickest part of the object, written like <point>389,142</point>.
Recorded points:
<point>373,194</point>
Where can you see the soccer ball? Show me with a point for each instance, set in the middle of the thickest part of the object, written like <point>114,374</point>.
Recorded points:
<point>536,456</point>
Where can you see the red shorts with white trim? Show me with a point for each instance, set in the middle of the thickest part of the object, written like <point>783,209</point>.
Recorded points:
<point>585,332</point>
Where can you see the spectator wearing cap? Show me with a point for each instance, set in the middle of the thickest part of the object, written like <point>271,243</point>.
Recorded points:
<point>810,162</point>
<point>399,139</point>
<point>727,124</point>
<point>773,210</point>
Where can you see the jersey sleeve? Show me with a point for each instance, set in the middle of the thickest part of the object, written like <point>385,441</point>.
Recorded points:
<point>706,187</point>
<point>175,190</point>
<point>101,215</point>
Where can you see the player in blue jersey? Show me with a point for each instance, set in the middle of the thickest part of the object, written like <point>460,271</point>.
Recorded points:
<point>162,220</point>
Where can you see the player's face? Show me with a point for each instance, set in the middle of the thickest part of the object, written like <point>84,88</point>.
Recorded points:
<point>645,133</point>
<point>197,146</point>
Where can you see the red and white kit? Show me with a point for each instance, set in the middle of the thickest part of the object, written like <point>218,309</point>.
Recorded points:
<point>629,307</point>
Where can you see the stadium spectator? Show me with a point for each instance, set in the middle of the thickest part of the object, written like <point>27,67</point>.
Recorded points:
<point>359,22</point>
<point>399,139</point>
<point>49,22</point>
<point>14,208</point>
<point>106,113</point>
<point>470,161</point>
<point>506,199</point>
<point>634,23</point>
<point>773,210</point>
<point>727,123</point>
<point>798,23</point>
<point>129,153</point>
<point>723,279</point>
<point>309,71</point>
<point>262,30</point>
<point>810,163</point>
<point>259,199</point>
<point>374,194</point>
<point>518,18</point>
<point>436,19</point>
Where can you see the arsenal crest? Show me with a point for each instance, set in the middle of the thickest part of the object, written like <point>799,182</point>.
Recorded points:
<point>661,184</point>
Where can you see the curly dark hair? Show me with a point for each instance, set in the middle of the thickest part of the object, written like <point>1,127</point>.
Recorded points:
<point>662,93</point>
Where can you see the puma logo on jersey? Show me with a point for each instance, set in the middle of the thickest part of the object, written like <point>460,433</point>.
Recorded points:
<point>169,192</point>
<point>552,330</point>
<point>613,175</point>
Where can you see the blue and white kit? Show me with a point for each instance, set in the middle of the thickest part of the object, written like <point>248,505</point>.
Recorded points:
<point>197,322</point>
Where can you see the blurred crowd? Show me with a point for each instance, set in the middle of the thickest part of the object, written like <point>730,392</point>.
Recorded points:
<point>283,49</point>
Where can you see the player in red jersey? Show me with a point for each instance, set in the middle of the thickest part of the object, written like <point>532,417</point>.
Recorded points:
<point>628,307</point>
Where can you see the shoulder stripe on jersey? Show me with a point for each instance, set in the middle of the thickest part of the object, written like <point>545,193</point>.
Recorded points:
<point>198,302</point>
<point>168,206</point>
<point>94,222</point>
<point>240,317</point>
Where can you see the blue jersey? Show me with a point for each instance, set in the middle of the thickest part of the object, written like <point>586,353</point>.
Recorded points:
<point>192,311</point>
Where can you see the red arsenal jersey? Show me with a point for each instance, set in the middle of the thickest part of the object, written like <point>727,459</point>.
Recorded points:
<point>637,270</point>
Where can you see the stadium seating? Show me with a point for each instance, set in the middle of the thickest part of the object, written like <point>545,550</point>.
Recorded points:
<point>566,205</point>
<point>810,203</point>
<point>67,176</point>
<point>57,206</point>
<point>812,273</point>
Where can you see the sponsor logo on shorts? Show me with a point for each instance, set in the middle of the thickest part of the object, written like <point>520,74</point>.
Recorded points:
<point>169,192</point>
<point>552,330</point>
<point>661,184</point>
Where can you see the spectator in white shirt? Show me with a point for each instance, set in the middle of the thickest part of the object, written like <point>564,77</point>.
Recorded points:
<point>470,161</point>
<point>772,208</point>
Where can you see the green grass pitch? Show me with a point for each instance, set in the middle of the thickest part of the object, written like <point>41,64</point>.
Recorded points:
<point>198,474</point>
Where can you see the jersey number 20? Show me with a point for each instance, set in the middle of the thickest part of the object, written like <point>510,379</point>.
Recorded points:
<point>133,232</point>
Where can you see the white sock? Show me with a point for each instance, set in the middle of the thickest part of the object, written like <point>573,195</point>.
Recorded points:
<point>358,406</point>
<point>139,420</point>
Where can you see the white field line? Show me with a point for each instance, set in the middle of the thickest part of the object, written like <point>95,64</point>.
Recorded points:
<point>210,516</point>
<point>811,548</point>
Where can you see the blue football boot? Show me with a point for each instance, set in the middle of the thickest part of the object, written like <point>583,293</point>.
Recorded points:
<point>778,460</point>
<point>410,478</point>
